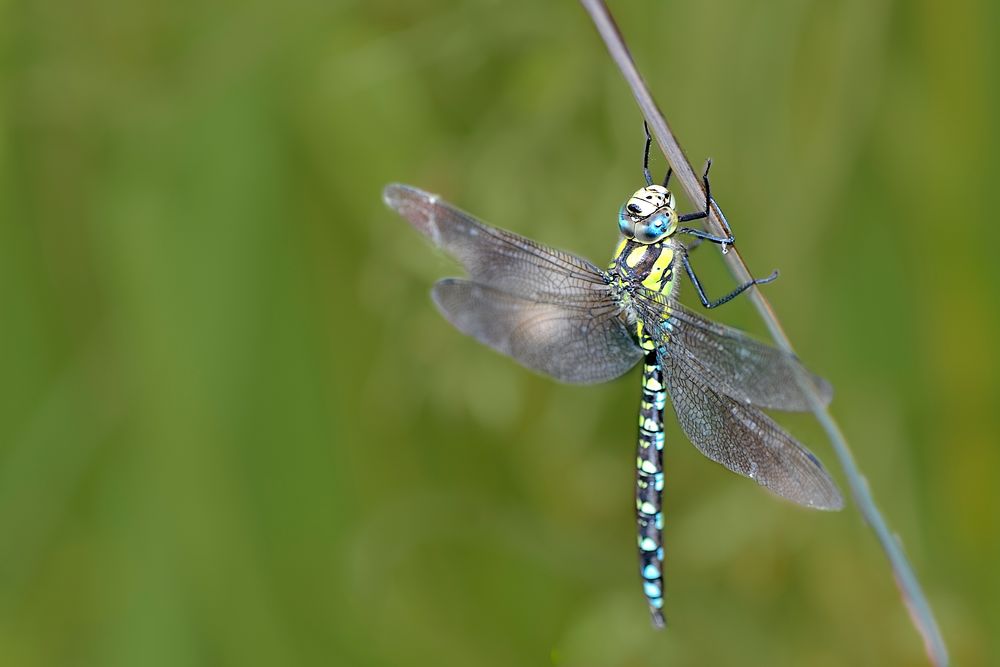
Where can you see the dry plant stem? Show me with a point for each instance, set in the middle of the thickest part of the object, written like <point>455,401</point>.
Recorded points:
<point>913,597</point>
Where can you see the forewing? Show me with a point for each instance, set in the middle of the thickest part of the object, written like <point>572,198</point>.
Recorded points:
<point>745,440</point>
<point>735,364</point>
<point>496,257</point>
<point>582,343</point>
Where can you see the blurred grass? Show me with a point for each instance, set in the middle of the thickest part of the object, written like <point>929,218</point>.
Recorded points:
<point>233,430</point>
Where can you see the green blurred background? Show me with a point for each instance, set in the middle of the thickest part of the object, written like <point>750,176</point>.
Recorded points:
<point>234,430</point>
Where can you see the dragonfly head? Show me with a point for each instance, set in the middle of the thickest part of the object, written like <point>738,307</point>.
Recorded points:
<point>649,215</point>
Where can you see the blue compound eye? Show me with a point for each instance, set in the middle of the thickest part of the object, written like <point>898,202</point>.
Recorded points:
<point>648,234</point>
<point>660,222</point>
<point>625,223</point>
<point>654,228</point>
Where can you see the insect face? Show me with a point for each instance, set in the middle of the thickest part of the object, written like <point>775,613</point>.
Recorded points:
<point>649,215</point>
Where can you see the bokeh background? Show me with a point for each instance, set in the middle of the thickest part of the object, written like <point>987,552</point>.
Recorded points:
<point>234,430</point>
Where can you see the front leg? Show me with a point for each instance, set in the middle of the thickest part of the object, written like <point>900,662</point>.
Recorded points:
<point>688,217</point>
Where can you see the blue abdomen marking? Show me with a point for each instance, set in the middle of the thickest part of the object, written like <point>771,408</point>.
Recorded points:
<point>649,486</point>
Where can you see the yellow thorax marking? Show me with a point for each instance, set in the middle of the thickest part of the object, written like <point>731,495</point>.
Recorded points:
<point>654,280</point>
<point>636,256</point>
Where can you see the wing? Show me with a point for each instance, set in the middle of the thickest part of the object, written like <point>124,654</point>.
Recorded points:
<point>496,257</point>
<point>551,311</point>
<point>745,440</point>
<point>577,344</point>
<point>739,366</point>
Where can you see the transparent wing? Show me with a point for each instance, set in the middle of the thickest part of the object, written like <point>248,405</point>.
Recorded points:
<point>496,257</point>
<point>728,359</point>
<point>745,440</point>
<point>550,310</point>
<point>578,344</point>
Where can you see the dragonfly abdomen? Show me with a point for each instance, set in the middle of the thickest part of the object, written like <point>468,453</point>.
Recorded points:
<point>649,486</point>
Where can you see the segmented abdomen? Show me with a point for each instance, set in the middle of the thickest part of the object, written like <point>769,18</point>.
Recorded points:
<point>649,485</point>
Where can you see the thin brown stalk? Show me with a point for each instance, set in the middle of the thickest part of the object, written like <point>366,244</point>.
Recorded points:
<point>913,597</point>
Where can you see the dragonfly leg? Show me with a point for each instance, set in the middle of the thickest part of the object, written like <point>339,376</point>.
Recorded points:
<point>698,233</point>
<point>645,155</point>
<point>687,217</point>
<point>707,303</point>
<point>649,486</point>
<point>645,160</point>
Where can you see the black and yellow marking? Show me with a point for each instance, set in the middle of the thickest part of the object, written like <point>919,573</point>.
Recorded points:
<point>650,265</point>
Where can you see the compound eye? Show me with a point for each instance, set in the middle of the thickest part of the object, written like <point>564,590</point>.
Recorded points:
<point>660,222</point>
<point>625,223</point>
<point>648,234</point>
<point>654,228</point>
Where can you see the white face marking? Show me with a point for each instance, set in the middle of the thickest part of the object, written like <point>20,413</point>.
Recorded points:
<point>647,200</point>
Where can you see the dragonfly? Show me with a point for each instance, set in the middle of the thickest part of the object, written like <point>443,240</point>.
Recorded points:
<point>561,315</point>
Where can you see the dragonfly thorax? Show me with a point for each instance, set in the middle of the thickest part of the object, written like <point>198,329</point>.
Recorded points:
<point>649,215</point>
